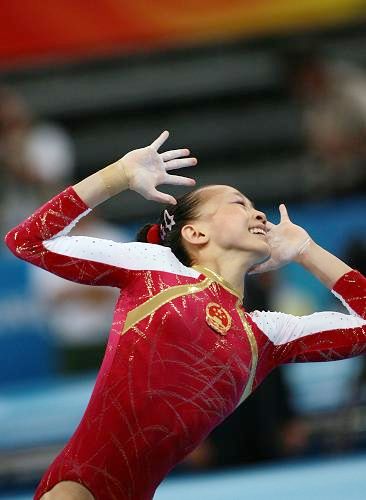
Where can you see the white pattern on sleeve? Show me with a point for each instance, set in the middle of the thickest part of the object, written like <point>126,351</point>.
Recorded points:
<point>135,255</point>
<point>281,328</point>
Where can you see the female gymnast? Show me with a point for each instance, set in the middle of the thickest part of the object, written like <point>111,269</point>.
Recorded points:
<point>182,352</point>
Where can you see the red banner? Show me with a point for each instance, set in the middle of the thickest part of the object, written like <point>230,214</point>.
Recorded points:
<point>33,30</point>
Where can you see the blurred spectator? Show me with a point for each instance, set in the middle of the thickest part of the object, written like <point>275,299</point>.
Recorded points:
<point>36,158</point>
<point>332,96</point>
<point>78,315</point>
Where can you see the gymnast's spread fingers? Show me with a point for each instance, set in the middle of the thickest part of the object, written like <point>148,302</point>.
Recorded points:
<point>179,180</point>
<point>174,153</point>
<point>180,163</point>
<point>159,141</point>
<point>160,197</point>
<point>283,212</point>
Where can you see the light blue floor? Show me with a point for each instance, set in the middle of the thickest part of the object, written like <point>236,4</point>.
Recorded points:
<point>327,479</point>
<point>53,407</point>
<point>337,479</point>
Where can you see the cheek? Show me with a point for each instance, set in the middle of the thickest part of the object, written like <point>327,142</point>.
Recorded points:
<point>230,226</point>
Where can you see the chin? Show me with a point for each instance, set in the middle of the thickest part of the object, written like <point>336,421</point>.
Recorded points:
<point>260,252</point>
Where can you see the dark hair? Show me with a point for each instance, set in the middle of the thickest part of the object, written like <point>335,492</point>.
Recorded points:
<point>184,211</point>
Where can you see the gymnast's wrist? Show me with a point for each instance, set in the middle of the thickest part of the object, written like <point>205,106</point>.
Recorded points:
<point>306,251</point>
<point>116,177</point>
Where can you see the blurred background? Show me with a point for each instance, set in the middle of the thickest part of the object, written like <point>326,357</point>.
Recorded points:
<point>271,97</point>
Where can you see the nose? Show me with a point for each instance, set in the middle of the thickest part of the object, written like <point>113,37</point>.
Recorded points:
<point>261,216</point>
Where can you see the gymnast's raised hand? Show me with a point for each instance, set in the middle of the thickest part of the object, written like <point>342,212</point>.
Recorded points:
<point>287,242</point>
<point>146,168</point>
<point>140,170</point>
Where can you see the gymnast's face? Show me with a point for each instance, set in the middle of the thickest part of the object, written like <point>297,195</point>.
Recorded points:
<point>228,220</point>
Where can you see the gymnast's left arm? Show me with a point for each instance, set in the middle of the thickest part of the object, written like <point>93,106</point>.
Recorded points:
<point>322,336</point>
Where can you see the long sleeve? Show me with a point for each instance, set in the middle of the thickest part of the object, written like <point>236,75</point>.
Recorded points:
<point>322,336</point>
<point>42,240</point>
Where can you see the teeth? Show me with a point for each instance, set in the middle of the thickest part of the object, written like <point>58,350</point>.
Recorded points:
<point>257,230</point>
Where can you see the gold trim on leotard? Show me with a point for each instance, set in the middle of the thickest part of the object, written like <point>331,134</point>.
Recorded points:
<point>246,325</point>
<point>143,310</point>
<point>254,349</point>
<point>216,277</point>
<point>151,305</point>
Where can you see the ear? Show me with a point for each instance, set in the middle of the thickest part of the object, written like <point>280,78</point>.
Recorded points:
<point>194,234</point>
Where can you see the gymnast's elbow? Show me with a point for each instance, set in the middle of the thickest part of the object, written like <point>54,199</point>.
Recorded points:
<point>20,247</point>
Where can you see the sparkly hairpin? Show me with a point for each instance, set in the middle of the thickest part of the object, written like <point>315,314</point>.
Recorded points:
<point>168,224</point>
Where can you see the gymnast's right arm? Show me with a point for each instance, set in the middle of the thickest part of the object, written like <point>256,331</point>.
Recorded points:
<point>42,238</point>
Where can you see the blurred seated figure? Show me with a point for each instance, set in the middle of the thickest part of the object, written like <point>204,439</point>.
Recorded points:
<point>36,159</point>
<point>332,98</point>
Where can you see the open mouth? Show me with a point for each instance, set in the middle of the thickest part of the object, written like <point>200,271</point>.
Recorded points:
<point>257,231</point>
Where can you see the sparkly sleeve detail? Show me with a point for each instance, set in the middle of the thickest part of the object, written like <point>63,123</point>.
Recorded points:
<point>42,240</point>
<point>322,336</point>
<point>350,289</point>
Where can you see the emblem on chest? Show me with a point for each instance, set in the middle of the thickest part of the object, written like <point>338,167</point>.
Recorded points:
<point>218,318</point>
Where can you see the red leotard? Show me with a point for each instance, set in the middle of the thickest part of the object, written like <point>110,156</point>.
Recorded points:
<point>182,352</point>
